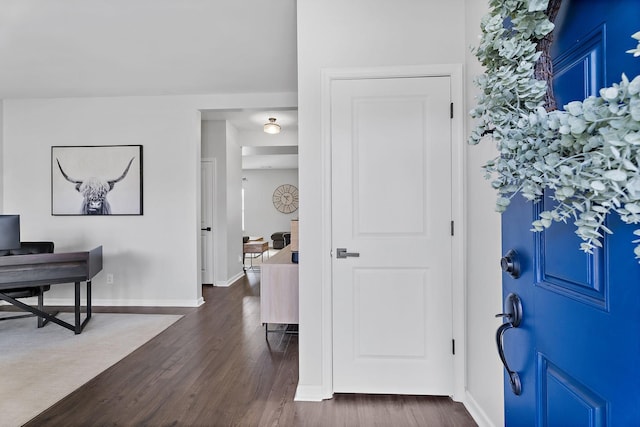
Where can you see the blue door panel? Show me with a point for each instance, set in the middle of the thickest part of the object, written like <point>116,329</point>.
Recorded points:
<point>519,341</point>
<point>564,269</point>
<point>559,259</point>
<point>558,264</point>
<point>579,71</point>
<point>567,402</point>
<point>589,349</point>
<point>577,350</point>
<point>598,349</point>
<point>579,20</point>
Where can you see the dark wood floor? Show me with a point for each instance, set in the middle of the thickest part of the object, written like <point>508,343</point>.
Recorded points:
<point>214,368</point>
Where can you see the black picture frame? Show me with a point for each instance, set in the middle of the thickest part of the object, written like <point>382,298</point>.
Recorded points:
<point>96,180</point>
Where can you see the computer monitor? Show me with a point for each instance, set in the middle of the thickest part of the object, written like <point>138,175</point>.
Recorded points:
<point>9,232</point>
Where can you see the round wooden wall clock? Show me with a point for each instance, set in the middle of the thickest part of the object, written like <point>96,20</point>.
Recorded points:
<point>285,198</point>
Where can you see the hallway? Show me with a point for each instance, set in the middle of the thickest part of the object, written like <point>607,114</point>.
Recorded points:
<point>214,368</point>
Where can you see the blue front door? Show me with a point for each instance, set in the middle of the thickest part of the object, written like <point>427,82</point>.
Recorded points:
<point>575,354</point>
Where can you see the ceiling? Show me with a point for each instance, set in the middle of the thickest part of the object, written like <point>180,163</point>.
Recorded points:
<point>251,120</point>
<point>262,151</point>
<point>77,48</point>
<point>274,151</point>
<point>95,48</point>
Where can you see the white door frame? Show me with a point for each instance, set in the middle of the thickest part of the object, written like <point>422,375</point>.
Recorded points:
<point>458,255</point>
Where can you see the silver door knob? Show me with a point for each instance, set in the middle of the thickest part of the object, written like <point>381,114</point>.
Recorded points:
<point>342,253</point>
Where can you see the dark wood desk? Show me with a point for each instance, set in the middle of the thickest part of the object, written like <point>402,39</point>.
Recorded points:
<point>21,271</point>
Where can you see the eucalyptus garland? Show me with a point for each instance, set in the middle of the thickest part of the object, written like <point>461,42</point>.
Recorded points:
<point>587,156</point>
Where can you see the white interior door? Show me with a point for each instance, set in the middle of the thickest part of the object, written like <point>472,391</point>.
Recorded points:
<point>206,220</point>
<point>391,203</point>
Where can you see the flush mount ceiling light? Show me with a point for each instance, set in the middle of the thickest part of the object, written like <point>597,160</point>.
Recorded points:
<point>272,127</point>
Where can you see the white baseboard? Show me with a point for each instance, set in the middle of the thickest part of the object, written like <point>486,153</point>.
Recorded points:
<point>309,393</point>
<point>477,413</point>
<point>229,282</point>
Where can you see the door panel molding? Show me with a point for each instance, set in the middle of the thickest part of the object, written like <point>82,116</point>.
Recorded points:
<point>563,400</point>
<point>586,59</point>
<point>455,73</point>
<point>412,217</point>
<point>378,289</point>
<point>553,255</point>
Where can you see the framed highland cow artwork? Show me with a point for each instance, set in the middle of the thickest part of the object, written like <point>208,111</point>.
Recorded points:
<point>96,180</point>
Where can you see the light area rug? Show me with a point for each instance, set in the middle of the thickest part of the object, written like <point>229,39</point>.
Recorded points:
<point>38,367</point>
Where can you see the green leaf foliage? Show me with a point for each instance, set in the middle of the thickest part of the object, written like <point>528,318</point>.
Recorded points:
<point>587,156</point>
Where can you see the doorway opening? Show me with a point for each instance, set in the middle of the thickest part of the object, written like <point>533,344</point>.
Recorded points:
<point>250,165</point>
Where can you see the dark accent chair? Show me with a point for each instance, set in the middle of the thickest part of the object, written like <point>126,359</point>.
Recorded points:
<point>281,239</point>
<point>29,248</point>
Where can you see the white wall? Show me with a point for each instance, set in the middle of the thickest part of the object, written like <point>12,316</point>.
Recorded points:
<point>214,146</point>
<point>219,141</point>
<point>484,291</point>
<point>234,205</point>
<point>261,217</point>
<point>366,33</point>
<point>1,155</point>
<point>153,257</point>
<point>362,33</point>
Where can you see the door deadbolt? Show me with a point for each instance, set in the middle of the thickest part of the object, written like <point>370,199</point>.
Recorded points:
<point>510,263</point>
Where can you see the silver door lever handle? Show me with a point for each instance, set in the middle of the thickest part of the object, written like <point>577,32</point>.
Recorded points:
<point>342,253</point>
